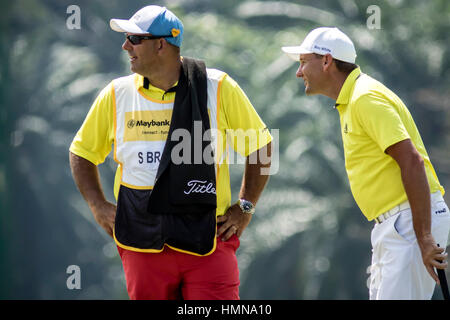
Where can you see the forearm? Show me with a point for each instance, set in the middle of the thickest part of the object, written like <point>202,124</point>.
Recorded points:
<point>255,175</point>
<point>416,186</point>
<point>257,165</point>
<point>87,179</point>
<point>417,189</point>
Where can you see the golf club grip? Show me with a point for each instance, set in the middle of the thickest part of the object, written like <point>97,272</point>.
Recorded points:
<point>443,281</point>
<point>444,286</point>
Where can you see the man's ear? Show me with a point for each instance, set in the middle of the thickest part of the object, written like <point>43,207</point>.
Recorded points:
<point>327,62</point>
<point>161,43</point>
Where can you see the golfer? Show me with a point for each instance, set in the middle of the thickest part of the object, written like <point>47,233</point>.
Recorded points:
<point>390,173</point>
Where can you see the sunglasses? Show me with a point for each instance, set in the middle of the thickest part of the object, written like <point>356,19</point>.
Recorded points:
<point>137,39</point>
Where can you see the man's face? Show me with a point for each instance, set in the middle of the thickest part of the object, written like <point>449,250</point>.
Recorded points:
<point>142,56</point>
<point>311,71</point>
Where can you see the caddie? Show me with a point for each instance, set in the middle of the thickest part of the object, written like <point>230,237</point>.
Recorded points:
<point>175,224</point>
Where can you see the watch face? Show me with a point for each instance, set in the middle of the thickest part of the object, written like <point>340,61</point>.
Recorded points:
<point>246,206</point>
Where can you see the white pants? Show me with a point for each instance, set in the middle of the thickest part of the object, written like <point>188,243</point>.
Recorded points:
<point>397,271</point>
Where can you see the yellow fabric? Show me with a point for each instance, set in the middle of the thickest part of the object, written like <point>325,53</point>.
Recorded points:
<point>372,119</point>
<point>95,138</point>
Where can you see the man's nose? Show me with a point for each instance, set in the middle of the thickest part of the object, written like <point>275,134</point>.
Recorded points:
<point>127,45</point>
<point>299,72</point>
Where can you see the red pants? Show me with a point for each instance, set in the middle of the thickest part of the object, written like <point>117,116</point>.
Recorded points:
<point>173,275</point>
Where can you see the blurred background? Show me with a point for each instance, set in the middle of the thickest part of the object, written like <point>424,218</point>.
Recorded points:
<point>308,239</point>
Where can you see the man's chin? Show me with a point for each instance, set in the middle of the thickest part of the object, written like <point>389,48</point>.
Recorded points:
<point>309,92</point>
<point>134,67</point>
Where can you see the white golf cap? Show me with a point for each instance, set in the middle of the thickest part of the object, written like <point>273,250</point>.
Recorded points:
<point>322,41</point>
<point>152,19</point>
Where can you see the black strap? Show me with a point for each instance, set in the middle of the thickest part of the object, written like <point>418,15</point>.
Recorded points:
<point>174,180</point>
<point>146,83</point>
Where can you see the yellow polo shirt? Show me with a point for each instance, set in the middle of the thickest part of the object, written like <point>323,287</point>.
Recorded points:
<point>372,119</point>
<point>95,138</point>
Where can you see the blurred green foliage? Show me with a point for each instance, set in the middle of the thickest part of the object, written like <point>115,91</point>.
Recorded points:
<point>308,239</point>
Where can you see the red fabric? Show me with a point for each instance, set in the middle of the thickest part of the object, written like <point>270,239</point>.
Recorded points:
<point>173,275</point>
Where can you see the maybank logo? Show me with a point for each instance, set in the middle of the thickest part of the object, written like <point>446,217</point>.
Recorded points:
<point>141,123</point>
<point>148,125</point>
<point>131,124</point>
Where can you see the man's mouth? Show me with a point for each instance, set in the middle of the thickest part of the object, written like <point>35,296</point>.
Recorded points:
<point>132,58</point>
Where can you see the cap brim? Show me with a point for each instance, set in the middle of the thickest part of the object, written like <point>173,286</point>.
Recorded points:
<point>295,52</point>
<point>121,25</point>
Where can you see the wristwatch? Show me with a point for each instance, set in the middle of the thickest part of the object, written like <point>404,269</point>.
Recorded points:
<point>246,206</point>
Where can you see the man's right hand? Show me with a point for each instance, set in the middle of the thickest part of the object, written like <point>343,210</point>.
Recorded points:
<point>87,179</point>
<point>105,215</point>
<point>432,255</point>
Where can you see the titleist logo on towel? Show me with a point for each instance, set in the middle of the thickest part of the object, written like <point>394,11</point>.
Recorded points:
<point>198,186</point>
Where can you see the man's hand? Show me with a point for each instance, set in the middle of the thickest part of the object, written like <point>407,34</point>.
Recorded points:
<point>105,215</point>
<point>234,222</point>
<point>87,179</point>
<point>432,255</point>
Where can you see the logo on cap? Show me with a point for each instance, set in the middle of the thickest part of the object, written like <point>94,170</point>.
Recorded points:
<point>175,32</point>
<point>322,48</point>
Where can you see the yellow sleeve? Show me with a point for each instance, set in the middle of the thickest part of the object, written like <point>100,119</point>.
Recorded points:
<point>380,120</point>
<point>94,139</point>
<point>246,131</point>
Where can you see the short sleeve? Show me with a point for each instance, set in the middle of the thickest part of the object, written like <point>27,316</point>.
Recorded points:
<point>94,139</point>
<point>246,131</point>
<point>381,120</point>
